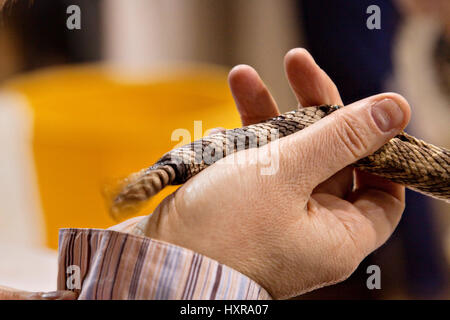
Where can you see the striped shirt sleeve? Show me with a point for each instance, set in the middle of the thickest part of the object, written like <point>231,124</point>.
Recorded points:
<point>108,264</point>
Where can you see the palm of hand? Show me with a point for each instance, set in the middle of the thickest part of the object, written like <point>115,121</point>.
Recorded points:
<point>288,233</point>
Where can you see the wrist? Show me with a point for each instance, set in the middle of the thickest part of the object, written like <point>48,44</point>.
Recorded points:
<point>248,256</point>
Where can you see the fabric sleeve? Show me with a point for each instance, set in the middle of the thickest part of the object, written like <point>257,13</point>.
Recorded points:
<point>107,264</point>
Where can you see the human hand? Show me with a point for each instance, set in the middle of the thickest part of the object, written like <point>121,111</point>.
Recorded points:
<point>7,293</point>
<point>314,220</point>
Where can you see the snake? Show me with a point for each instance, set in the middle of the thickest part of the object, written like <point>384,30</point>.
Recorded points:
<point>404,159</point>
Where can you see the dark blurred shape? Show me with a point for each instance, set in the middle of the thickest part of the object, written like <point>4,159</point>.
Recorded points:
<point>425,274</point>
<point>39,31</point>
<point>359,61</point>
<point>442,58</point>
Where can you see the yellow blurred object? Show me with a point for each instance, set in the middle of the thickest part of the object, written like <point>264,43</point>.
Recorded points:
<point>90,128</point>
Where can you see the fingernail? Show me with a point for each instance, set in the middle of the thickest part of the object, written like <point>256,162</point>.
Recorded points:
<point>52,295</point>
<point>56,295</point>
<point>387,115</point>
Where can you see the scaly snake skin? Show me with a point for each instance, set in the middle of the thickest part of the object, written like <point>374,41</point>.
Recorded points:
<point>404,159</point>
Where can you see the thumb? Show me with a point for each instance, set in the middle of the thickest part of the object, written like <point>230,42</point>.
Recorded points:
<point>346,136</point>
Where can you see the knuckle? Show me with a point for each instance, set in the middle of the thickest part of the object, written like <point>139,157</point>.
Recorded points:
<point>352,135</point>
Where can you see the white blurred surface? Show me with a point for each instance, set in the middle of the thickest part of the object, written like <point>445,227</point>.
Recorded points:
<point>21,220</point>
<point>28,268</point>
<point>140,34</point>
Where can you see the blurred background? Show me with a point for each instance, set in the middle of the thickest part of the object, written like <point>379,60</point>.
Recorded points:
<point>82,107</point>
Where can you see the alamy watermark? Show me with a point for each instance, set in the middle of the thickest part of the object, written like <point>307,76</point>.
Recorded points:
<point>374,20</point>
<point>73,21</point>
<point>374,280</point>
<point>73,281</point>
<point>225,146</point>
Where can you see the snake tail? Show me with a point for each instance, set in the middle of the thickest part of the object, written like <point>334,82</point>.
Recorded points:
<point>404,159</point>
<point>179,165</point>
<point>133,192</point>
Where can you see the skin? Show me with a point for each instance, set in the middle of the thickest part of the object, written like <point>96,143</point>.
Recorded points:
<point>7,293</point>
<point>312,222</point>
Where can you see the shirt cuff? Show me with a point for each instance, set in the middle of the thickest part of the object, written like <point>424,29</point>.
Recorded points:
<point>107,264</point>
